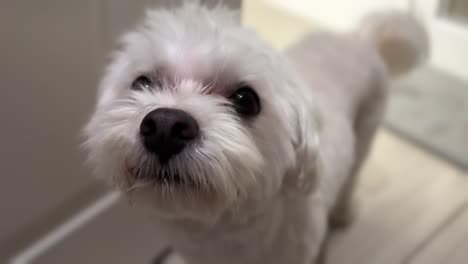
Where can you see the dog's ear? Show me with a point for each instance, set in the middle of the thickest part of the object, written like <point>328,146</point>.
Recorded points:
<point>302,177</point>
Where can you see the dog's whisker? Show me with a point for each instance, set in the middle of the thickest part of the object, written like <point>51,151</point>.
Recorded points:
<point>137,186</point>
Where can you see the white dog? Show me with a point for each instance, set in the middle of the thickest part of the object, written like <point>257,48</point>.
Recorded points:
<point>240,154</point>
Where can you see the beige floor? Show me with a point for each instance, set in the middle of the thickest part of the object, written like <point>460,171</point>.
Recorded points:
<point>412,207</point>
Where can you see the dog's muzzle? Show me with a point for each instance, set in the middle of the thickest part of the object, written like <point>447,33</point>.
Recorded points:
<point>165,132</point>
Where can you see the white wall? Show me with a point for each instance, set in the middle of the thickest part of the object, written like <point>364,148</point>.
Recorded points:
<point>338,14</point>
<point>449,40</point>
<point>121,15</point>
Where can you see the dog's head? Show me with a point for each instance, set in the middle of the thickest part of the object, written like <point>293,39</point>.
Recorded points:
<point>196,116</point>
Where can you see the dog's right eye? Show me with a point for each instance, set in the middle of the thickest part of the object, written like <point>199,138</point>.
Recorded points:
<point>142,83</point>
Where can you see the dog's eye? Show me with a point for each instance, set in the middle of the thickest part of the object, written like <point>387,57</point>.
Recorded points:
<point>246,101</point>
<point>142,83</point>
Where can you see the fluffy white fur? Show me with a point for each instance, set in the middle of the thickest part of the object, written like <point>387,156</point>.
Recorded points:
<point>263,189</point>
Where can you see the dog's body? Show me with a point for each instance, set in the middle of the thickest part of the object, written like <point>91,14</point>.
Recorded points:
<point>268,183</point>
<point>292,229</point>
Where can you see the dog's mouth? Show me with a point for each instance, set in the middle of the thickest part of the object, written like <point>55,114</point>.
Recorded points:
<point>157,177</point>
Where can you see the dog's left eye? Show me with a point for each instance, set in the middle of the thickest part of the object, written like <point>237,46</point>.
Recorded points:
<point>246,101</point>
<point>141,83</point>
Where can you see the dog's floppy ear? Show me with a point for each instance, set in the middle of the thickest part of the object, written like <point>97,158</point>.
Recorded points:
<point>302,177</point>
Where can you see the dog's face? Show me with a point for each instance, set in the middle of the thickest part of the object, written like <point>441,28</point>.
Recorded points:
<point>196,116</point>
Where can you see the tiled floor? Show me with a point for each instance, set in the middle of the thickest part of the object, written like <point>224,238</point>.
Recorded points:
<point>412,206</point>
<point>430,96</point>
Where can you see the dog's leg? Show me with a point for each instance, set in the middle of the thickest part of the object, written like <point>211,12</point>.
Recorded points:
<point>162,257</point>
<point>342,214</point>
<point>322,257</point>
<point>365,126</point>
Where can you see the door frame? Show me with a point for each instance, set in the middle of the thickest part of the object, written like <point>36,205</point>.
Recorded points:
<point>449,39</point>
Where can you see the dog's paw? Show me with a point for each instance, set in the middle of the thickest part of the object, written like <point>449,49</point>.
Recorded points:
<point>174,258</point>
<point>342,216</point>
<point>168,256</point>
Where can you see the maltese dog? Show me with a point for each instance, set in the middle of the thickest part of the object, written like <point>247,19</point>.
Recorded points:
<point>238,153</point>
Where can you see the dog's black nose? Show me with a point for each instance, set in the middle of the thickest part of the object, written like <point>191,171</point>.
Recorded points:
<point>167,131</point>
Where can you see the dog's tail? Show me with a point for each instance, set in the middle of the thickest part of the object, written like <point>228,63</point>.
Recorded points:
<point>400,39</point>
